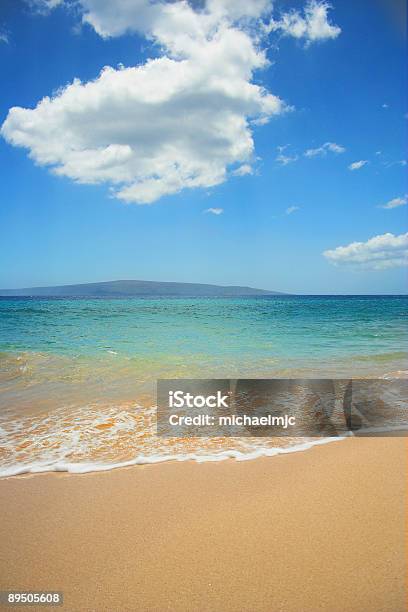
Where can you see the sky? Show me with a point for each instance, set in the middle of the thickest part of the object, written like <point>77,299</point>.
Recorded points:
<point>230,142</point>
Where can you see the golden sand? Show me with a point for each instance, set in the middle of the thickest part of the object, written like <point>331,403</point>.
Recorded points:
<point>317,530</point>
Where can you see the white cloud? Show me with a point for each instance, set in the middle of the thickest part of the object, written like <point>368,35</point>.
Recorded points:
<point>243,170</point>
<point>331,147</point>
<point>237,9</point>
<point>4,37</point>
<point>167,21</point>
<point>176,122</point>
<point>214,211</point>
<point>396,202</point>
<point>264,120</point>
<point>284,160</point>
<point>292,209</point>
<point>385,105</point>
<point>378,253</point>
<point>334,148</point>
<point>400,162</point>
<point>358,164</point>
<point>44,6</point>
<point>312,26</point>
<point>180,121</point>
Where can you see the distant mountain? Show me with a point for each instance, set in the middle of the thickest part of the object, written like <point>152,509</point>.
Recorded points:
<point>130,288</point>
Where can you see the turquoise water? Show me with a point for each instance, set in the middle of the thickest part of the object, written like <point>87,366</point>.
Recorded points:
<point>290,329</point>
<point>77,376</point>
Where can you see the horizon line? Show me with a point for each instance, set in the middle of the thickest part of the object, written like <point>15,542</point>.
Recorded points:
<point>272,292</point>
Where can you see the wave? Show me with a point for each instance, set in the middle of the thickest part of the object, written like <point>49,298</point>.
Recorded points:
<point>84,468</point>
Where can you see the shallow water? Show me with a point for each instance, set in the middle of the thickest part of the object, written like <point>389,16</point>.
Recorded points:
<point>78,376</point>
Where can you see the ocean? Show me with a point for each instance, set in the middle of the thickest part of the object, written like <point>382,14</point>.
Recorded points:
<point>78,376</point>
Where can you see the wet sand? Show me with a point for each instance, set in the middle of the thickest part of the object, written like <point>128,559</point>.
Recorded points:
<point>317,530</point>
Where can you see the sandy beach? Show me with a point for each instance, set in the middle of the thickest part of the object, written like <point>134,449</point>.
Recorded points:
<point>317,530</point>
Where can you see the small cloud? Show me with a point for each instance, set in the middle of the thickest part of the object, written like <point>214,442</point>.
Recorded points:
<point>4,37</point>
<point>358,164</point>
<point>385,105</point>
<point>292,209</point>
<point>331,147</point>
<point>260,120</point>
<point>284,160</point>
<point>243,170</point>
<point>312,26</point>
<point>378,253</point>
<point>334,148</point>
<point>395,203</point>
<point>44,6</point>
<point>400,162</point>
<point>214,211</point>
<point>378,152</point>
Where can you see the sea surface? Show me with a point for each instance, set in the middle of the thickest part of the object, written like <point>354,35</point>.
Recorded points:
<point>78,376</point>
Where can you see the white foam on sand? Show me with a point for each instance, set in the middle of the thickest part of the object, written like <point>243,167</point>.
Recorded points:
<point>83,468</point>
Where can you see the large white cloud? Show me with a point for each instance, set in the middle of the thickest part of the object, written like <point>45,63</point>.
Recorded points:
<point>378,253</point>
<point>179,121</point>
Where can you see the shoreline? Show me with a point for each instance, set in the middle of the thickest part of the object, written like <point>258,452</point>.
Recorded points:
<point>317,530</point>
<point>234,455</point>
<point>222,456</point>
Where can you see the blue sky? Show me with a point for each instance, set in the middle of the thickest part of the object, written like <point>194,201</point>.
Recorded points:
<point>124,180</point>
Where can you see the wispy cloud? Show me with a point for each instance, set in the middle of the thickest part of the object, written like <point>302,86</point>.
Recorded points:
<point>385,105</point>
<point>292,209</point>
<point>44,6</point>
<point>214,211</point>
<point>243,170</point>
<point>284,160</point>
<point>400,162</point>
<point>395,203</point>
<point>264,120</point>
<point>331,147</point>
<point>358,164</point>
<point>3,36</point>
<point>378,253</point>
